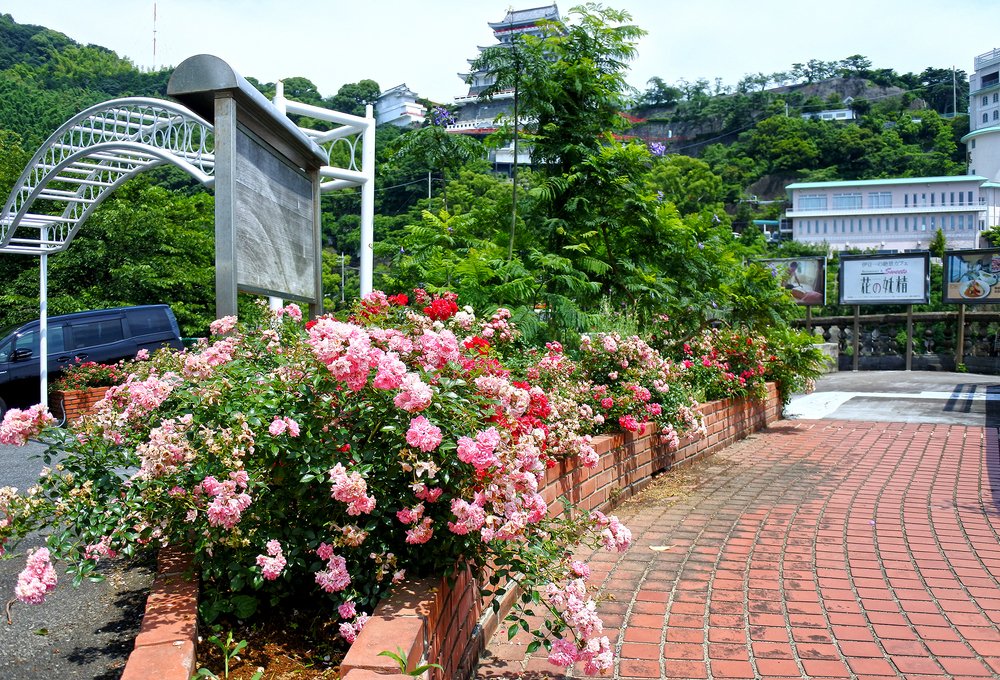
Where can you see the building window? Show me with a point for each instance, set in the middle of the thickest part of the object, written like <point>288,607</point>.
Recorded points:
<point>906,224</point>
<point>986,101</point>
<point>812,202</point>
<point>982,225</point>
<point>906,200</point>
<point>895,224</point>
<point>973,143</point>
<point>996,97</point>
<point>953,223</point>
<point>824,226</point>
<point>996,114</point>
<point>970,198</point>
<point>852,226</point>
<point>961,198</point>
<point>942,199</point>
<point>953,198</point>
<point>878,224</point>
<point>869,225</point>
<point>847,201</point>
<point>880,199</point>
<point>986,118</point>
<point>932,223</point>
<point>800,228</point>
<point>923,223</point>
<point>961,222</point>
<point>923,199</point>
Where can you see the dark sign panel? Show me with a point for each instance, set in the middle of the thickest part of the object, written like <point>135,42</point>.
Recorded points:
<point>803,277</point>
<point>275,226</point>
<point>885,279</point>
<point>971,277</point>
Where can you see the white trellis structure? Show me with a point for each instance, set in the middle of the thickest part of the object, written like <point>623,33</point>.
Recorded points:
<point>99,149</point>
<point>90,156</point>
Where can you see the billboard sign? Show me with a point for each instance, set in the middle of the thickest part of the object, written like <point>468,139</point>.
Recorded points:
<point>803,277</point>
<point>885,279</point>
<point>971,277</point>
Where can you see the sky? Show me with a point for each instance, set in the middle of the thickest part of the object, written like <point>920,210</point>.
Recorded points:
<point>425,43</point>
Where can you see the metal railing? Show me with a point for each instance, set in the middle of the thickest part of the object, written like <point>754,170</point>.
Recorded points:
<point>936,338</point>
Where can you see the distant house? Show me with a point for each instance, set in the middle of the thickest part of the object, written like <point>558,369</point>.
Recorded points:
<point>398,106</point>
<point>836,114</point>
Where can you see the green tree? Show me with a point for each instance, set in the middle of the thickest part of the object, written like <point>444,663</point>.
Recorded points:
<point>938,244</point>
<point>506,65</point>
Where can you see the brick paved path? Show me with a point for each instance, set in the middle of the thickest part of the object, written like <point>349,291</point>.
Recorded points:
<point>817,549</point>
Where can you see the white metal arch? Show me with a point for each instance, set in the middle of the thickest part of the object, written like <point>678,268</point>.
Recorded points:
<point>90,156</point>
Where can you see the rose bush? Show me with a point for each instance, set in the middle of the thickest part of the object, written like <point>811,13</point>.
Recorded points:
<point>334,457</point>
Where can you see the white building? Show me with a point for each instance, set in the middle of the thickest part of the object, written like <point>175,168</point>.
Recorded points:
<point>983,141</point>
<point>398,106</point>
<point>891,214</point>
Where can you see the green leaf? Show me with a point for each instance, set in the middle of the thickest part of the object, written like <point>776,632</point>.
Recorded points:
<point>244,605</point>
<point>511,632</point>
<point>533,646</point>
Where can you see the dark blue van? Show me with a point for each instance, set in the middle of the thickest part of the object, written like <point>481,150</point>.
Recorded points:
<point>104,336</point>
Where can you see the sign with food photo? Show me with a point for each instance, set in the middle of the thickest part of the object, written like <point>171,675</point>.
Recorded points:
<point>803,277</point>
<point>885,279</point>
<point>971,277</point>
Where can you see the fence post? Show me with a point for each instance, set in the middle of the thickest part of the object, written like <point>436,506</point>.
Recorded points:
<point>960,347</point>
<point>909,337</point>
<point>857,334</point>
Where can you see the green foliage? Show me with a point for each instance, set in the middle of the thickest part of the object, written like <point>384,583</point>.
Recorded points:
<point>144,245</point>
<point>399,656</point>
<point>938,244</point>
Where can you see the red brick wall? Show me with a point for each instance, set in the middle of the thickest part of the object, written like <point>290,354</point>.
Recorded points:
<point>75,402</point>
<point>438,623</point>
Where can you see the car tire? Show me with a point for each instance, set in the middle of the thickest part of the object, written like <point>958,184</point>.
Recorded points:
<point>3,408</point>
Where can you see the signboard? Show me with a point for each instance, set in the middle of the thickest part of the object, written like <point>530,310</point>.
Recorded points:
<point>971,277</point>
<point>803,277</point>
<point>885,279</point>
<point>275,225</point>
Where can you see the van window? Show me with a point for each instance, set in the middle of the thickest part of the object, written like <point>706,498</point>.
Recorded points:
<point>147,321</point>
<point>30,341</point>
<point>97,333</point>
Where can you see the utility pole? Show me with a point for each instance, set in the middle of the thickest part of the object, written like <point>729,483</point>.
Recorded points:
<point>954,93</point>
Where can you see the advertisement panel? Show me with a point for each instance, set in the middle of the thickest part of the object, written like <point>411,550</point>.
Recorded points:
<point>971,277</point>
<point>803,277</point>
<point>885,279</point>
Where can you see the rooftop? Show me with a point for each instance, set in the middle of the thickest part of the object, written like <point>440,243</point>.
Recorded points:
<point>873,182</point>
<point>526,17</point>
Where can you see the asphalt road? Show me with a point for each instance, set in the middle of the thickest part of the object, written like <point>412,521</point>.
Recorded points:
<point>903,397</point>
<point>84,632</point>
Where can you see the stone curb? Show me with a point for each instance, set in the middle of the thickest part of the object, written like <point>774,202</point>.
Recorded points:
<point>167,645</point>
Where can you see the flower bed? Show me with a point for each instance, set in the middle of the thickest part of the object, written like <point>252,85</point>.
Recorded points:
<point>333,459</point>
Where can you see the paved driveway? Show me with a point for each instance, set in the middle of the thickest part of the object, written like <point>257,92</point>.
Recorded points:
<point>817,549</point>
<point>903,397</point>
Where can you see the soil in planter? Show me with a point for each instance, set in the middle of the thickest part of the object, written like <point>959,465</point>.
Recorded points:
<point>285,643</point>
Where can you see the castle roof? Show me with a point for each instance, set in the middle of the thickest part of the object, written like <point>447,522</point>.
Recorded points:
<point>519,18</point>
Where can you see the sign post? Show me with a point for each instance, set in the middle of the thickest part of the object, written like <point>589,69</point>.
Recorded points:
<point>885,280</point>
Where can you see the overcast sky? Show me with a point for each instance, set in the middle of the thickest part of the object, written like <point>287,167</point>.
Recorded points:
<point>424,43</point>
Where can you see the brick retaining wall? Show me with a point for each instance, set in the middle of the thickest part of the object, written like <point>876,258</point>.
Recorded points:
<point>74,403</point>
